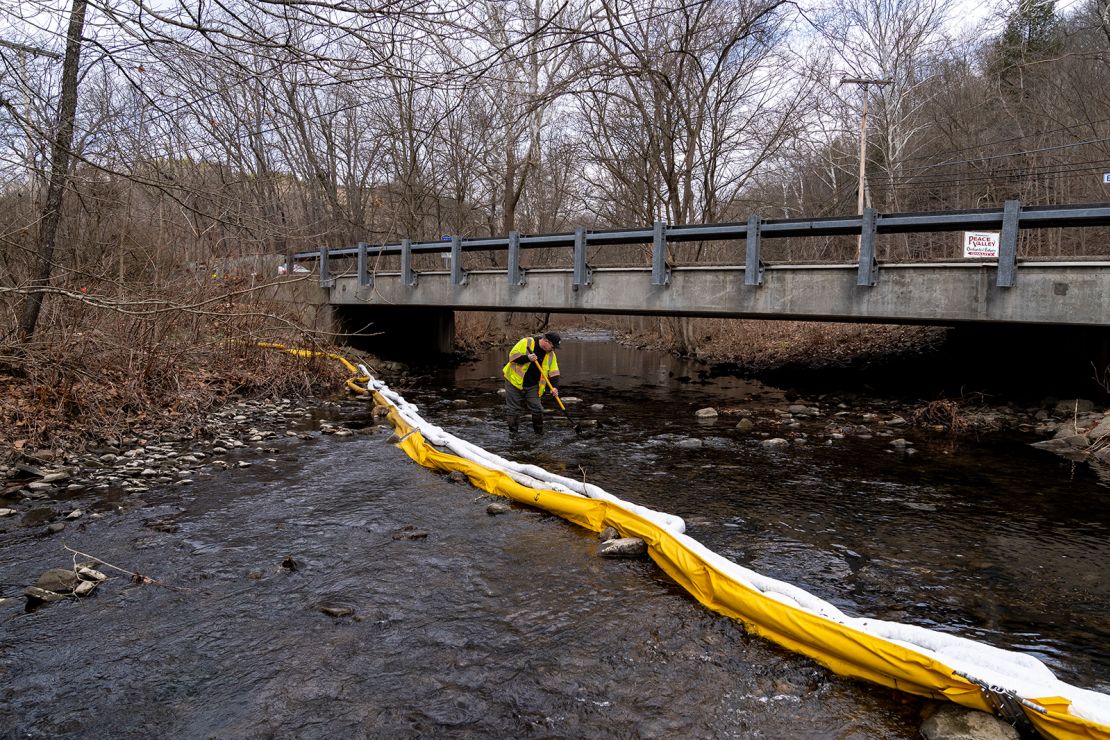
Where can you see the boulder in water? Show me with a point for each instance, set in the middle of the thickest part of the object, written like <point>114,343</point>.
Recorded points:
<point>88,574</point>
<point>84,588</point>
<point>1074,406</point>
<point>35,595</point>
<point>337,611</point>
<point>623,547</point>
<point>952,722</point>
<point>58,580</point>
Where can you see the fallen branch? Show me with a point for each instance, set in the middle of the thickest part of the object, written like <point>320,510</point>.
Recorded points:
<point>135,577</point>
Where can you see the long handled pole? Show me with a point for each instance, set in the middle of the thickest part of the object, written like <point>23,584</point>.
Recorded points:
<point>543,376</point>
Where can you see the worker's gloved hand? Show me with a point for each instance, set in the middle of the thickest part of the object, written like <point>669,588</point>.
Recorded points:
<point>554,391</point>
<point>533,357</point>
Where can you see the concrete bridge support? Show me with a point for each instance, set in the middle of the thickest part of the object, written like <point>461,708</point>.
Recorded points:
<point>308,302</point>
<point>397,331</point>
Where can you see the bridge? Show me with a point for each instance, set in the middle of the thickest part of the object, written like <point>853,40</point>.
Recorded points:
<point>1006,290</point>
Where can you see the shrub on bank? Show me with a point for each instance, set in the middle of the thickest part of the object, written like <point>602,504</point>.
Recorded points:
<point>99,368</point>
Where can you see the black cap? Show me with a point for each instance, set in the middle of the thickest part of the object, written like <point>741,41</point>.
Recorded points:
<point>553,337</point>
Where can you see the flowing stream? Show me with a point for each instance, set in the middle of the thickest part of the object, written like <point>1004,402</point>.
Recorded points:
<point>510,625</point>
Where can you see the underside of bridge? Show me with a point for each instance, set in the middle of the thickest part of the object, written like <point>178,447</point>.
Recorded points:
<point>397,331</point>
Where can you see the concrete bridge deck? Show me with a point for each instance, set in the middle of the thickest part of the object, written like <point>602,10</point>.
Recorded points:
<point>1060,293</point>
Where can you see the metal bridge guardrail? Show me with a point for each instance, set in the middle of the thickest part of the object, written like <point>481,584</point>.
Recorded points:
<point>1010,220</point>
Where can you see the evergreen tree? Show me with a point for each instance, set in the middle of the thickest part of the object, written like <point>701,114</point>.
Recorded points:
<point>1031,34</point>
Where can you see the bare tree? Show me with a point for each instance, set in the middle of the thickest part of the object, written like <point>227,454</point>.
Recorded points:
<point>901,42</point>
<point>691,100</point>
<point>59,171</point>
<point>536,68</point>
<point>686,103</point>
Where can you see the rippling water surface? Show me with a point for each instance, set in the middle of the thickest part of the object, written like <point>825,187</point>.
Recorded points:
<point>510,625</point>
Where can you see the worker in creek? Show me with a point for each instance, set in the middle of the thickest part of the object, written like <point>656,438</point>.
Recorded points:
<point>524,383</point>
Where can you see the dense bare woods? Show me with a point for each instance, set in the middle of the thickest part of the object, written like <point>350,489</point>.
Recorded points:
<point>202,133</point>
<point>213,131</point>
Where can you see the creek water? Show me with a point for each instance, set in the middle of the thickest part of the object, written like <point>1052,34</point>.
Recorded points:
<point>510,625</point>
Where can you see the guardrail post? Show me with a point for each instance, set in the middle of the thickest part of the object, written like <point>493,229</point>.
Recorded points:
<point>868,265</point>
<point>516,275</point>
<point>1007,247</point>
<point>581,269</point>
<point>458,275</point>
<point>408,277</point>
<point>753,265</point>
<point>325,272</point>
<point>289,264</point>
<point>364,278</point>
<point>660,270</point>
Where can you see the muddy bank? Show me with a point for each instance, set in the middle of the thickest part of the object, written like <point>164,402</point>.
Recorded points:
<point>49,408</point>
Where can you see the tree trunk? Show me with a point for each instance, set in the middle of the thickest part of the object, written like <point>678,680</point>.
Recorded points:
<point>59,170</point>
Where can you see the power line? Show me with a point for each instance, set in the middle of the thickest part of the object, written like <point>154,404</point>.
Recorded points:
<point>31,50</point>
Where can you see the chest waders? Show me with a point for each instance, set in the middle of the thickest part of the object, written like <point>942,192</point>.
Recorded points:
<point>518,398</point>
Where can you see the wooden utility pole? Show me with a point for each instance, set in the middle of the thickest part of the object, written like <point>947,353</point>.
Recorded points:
<point>862,132</point>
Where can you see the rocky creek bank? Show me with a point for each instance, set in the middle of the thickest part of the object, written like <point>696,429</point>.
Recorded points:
<point>45,491</point>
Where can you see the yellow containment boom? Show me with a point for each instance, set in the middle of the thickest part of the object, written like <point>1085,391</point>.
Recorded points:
<point>906,657</point>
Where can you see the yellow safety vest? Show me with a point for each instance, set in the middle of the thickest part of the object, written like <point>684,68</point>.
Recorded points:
<point>514,373</point>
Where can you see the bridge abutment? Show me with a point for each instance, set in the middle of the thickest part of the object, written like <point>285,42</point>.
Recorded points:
<point>397,332</point>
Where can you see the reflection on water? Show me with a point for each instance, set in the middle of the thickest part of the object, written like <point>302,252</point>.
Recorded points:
<point>511,625</point>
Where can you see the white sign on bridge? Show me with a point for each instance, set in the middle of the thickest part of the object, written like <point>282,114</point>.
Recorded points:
<point>981,244</point>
